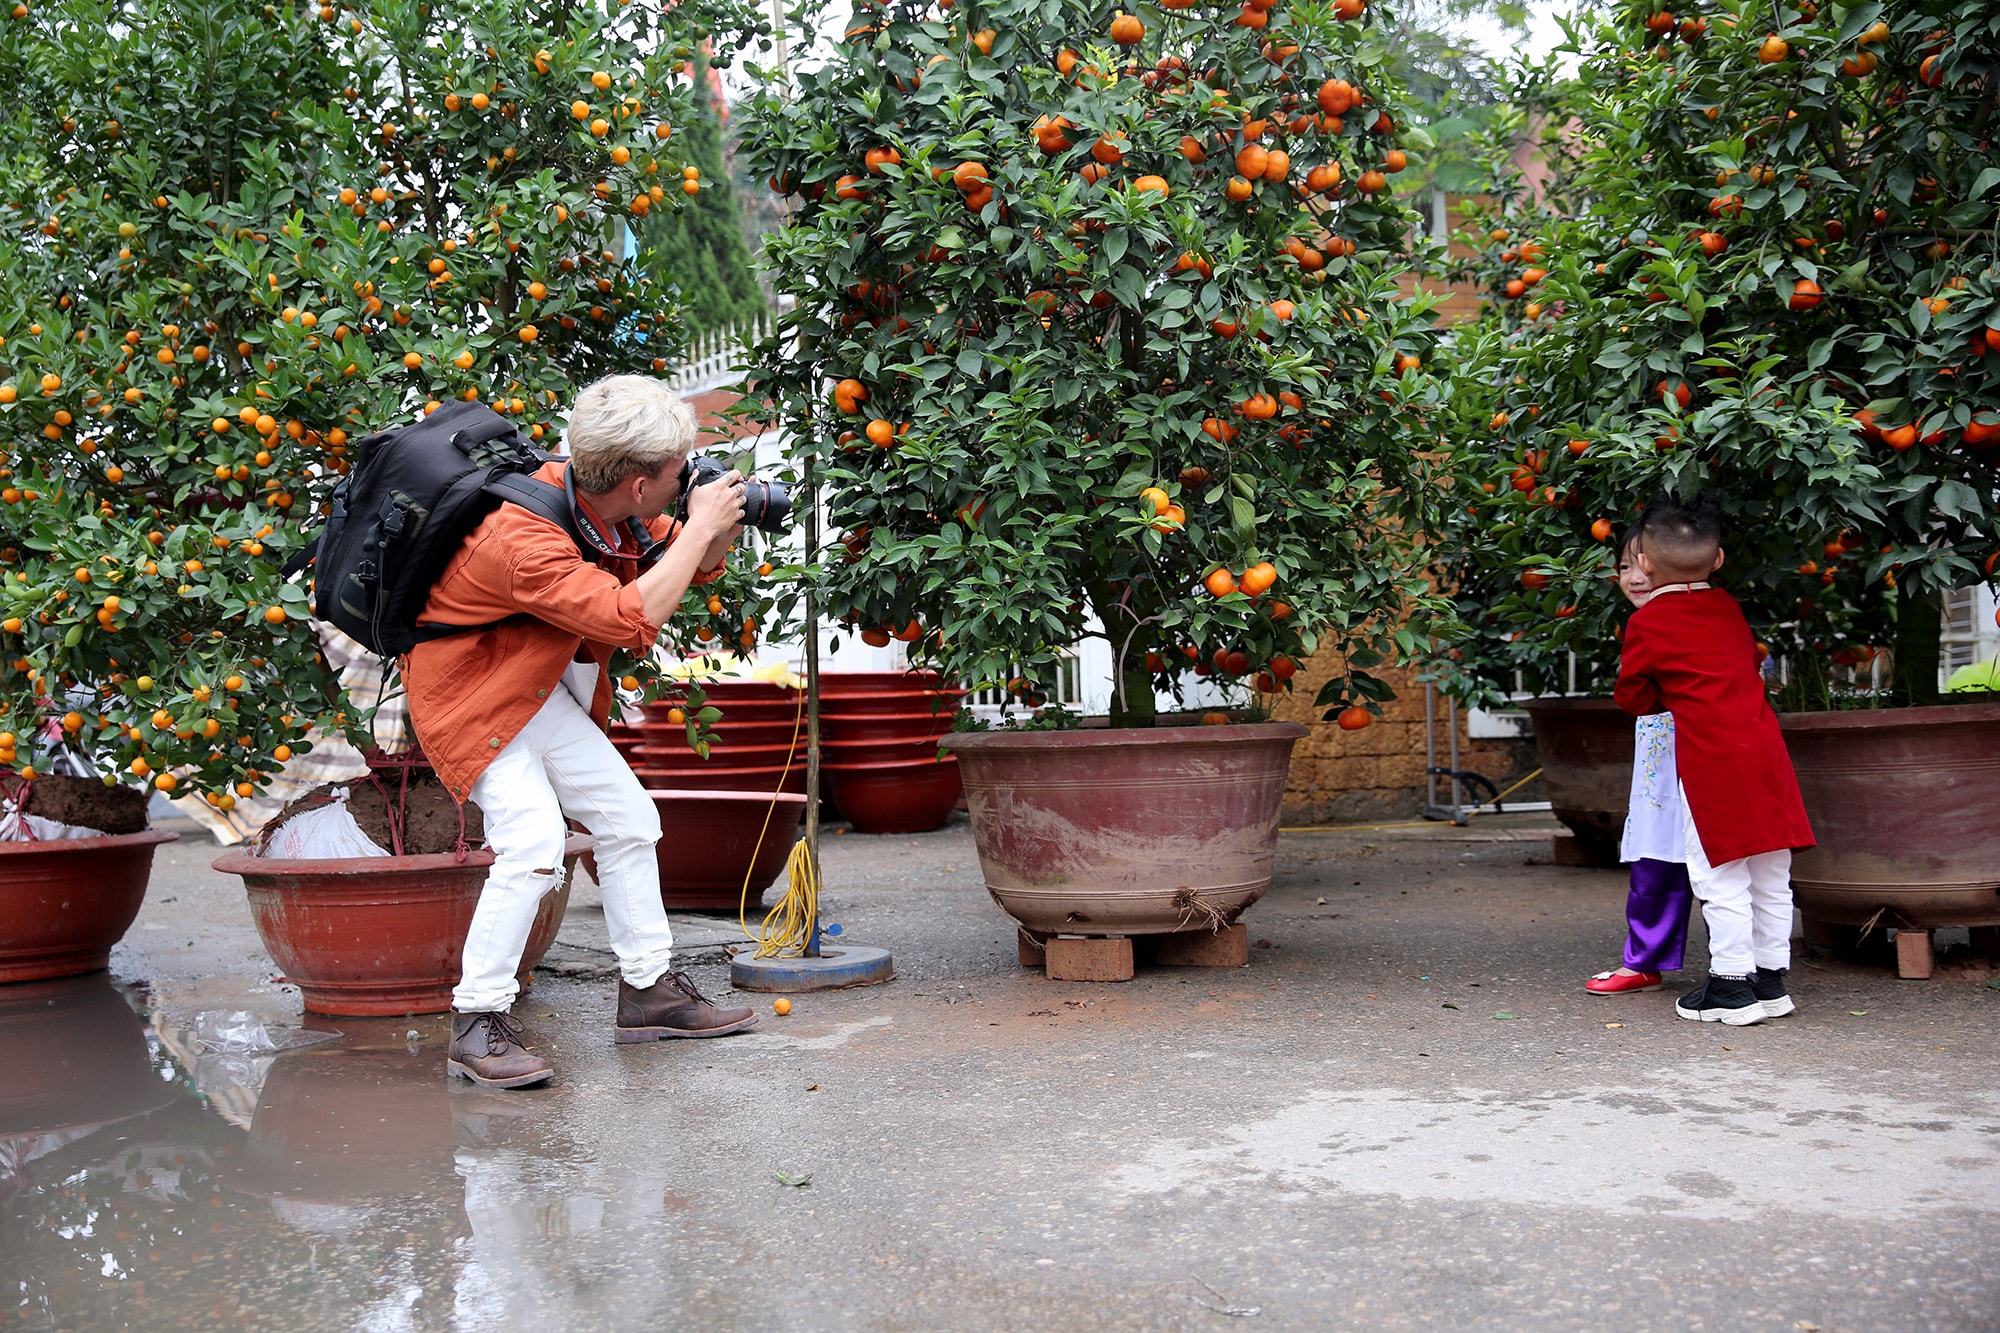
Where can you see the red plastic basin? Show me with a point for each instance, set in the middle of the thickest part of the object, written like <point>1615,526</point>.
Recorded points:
<point>907,796</point>
<point>850,727</point>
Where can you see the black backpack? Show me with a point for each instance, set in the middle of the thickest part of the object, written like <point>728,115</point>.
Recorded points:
<point>412,496</point>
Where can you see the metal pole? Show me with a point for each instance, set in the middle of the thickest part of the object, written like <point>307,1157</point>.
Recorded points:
<point>1430,746</point>
<point>812,695</point>
<point>1457,794</point>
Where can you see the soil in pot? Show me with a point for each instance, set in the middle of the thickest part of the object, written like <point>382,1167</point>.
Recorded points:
<point>428,815</point>
<point>88,803</point>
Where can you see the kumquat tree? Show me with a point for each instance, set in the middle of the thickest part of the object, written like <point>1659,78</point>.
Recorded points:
<point>236,237</point>
<point>1783,289</point>
<point>1098,330</point>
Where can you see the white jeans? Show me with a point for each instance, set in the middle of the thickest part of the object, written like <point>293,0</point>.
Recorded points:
<point>560,767</point>
<point>1747,905</point>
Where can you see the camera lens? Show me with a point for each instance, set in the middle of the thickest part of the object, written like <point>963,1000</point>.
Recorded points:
<point>767,505</point>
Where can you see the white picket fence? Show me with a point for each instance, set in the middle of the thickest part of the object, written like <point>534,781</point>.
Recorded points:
<point>716,360</point>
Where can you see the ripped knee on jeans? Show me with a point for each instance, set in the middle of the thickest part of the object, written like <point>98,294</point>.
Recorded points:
<point>547,870</point>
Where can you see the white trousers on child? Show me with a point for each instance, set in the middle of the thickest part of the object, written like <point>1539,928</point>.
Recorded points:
<point>562,767</point>
<point>1746,904</point>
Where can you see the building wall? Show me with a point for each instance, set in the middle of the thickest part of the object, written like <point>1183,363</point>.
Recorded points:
<point>1377,772</point>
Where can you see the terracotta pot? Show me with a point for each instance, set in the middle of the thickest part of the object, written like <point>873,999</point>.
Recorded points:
<point>850,728</point>
<point>64,903</point>
<point>718,845</point>
<point>1585,746</point>
<point>1902,801</point>
<point>1126,831</point>
<point>895,796</point>
<point>378,935</point>
<point>75,1054</point>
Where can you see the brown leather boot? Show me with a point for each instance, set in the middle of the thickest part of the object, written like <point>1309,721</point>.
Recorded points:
<point>672,1007</point>
<point>487,1048</point>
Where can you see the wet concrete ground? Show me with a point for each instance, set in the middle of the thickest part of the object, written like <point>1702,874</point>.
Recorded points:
<point>1404,1113</point>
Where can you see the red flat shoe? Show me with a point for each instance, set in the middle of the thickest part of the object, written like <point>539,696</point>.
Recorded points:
<point>1610,983</point>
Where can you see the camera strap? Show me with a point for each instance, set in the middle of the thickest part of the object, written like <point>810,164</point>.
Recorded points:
<point>565,512</point>
<point>650,549</point>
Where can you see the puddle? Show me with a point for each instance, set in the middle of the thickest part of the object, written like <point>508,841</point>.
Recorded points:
<point>145,1184</point>
<point>1709,1144</point>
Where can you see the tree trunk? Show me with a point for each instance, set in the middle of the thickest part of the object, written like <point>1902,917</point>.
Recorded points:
<point>1132,684</point>
<point>1919,650</point>
<point>1133,705</point>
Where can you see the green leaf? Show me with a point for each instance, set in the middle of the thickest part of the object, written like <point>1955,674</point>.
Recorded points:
<point>1243,514</point>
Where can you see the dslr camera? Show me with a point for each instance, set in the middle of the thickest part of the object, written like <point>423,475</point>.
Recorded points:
<point>767,505</point>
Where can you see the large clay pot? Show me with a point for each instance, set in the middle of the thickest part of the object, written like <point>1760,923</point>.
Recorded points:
<point>65,902</point>
<point>378,935</point>
<point>1126,831</point>
<point>75,1054</point>
<point>880,795</point>
<point>1902,802</point>
<point>1586,746</point>
<point>719,846</point>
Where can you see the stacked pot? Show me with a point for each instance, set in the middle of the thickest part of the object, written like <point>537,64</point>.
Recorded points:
<point>760,742</point>
<point>729,820</point>
<point>879,748</point>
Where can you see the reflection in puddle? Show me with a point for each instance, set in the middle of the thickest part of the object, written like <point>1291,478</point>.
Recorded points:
<point>347,1185</point>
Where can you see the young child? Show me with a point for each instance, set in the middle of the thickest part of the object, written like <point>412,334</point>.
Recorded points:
<point>1656,906</point>
<point>1689,652</point>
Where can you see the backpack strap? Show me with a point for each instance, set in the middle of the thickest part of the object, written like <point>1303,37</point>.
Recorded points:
<point>538,497</point>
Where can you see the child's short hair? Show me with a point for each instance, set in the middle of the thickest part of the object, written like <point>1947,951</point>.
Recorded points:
<point>1681,534</point>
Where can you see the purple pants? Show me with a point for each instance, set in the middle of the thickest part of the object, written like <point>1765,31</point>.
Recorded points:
<point>1656,915</point>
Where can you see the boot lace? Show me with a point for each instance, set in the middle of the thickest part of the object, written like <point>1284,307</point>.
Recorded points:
<point>681,982</point>
<point>501,1032</point>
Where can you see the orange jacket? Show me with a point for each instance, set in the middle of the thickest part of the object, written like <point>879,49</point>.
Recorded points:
<point>470,694</point>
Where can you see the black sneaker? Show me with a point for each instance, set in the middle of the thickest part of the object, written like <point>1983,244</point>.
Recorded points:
<point>1722,1000</point>
<point>1769,986</point>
